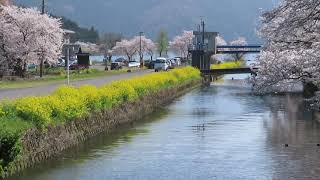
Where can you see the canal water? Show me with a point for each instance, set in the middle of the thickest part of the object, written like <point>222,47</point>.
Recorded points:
<point>217,132</point>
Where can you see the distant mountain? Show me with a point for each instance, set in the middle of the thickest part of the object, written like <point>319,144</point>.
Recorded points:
<point>231,18</point>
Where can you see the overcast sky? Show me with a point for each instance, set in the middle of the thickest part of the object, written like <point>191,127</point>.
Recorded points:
<point>231,18</point>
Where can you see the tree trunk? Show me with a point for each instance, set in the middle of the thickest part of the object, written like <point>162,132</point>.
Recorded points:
<point>141,62</point>
<point>41,68</point>
<point>110,59</point>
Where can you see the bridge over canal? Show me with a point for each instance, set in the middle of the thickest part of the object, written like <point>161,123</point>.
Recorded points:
<point>240,70</point>
<point>209,75</point>
<point>238,49</point>
<point>205,45</point>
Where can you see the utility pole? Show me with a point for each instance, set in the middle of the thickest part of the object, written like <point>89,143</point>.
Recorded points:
<point>199,30</point>
<point>68,64</point>
<point>141,58</point>
<point>202,23</point>
<point>42,7</point>
<point>202,58</point>
<point>41,61</point>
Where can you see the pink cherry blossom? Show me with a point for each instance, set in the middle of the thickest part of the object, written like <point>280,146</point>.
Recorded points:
<point>181,43</point>
<point>27,36</point>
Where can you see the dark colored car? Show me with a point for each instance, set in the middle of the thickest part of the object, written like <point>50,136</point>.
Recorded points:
<point>76,66</point>
<point>121,60</point>
<point>151,64</point>
<point>116,66</point>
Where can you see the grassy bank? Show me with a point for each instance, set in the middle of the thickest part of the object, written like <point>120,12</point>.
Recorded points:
<point>57,76</point>
<point>229,64</point>
<point>69,104</point>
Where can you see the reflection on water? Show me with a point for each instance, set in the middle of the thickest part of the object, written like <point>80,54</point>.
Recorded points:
<point>218,132</point>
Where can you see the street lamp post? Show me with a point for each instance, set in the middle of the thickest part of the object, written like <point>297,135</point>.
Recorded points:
<point>141,58</point>
<point>41,61</point>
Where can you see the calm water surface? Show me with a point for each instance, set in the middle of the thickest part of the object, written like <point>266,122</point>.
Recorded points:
<point>218,132</point>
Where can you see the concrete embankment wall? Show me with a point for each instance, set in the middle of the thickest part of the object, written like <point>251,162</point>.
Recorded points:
<point>39,145</point>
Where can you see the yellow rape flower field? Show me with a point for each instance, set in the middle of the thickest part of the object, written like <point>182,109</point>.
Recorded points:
<point>228,65</point>
<point>70,103</point>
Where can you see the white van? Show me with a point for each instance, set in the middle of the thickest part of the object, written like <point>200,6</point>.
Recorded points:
<point>161,64</point>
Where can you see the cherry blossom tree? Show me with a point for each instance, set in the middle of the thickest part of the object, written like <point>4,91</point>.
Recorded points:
<point>28,37</point>
<point>220,41</point>
<point>240,41</point>
<point>181,43</point>
<point>151,49</point>
<point>292,49</point>
<point>126,47</point>
<point>5,2</point>
<point>148,46</point>
<point>131,47</point>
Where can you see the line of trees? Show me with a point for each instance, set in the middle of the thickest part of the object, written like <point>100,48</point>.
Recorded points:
<point>131,47</point>
<point>116,44</point>
<point>29,37</point>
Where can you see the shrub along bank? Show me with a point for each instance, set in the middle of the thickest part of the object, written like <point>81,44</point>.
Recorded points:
<point>69,104</point>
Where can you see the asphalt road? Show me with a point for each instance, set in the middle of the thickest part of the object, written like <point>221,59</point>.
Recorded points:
<point>47,89</point>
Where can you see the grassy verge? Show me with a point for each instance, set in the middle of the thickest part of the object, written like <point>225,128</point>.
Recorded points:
<point>227,65</point>
<point>57,77</point>
<point>69,104</point>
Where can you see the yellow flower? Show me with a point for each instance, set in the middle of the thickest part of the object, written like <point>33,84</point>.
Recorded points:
<point>69,103</point>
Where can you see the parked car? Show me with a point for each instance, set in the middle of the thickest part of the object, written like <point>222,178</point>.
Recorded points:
<point>116,66</point>
<point>32,67</point>
<point>121,59</point>
<point>133,64</point>
<point>177,61</point>
<point>172,63</point>
<point>75,66</point>
<point>151,64</point>
<point>182,60</point>
<point>161,64</point>
<point>61,62</point>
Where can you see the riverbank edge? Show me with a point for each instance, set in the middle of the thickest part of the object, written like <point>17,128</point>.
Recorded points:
<point>39,145</point>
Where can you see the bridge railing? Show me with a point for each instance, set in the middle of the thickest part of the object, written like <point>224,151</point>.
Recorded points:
<point>239,49</point>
